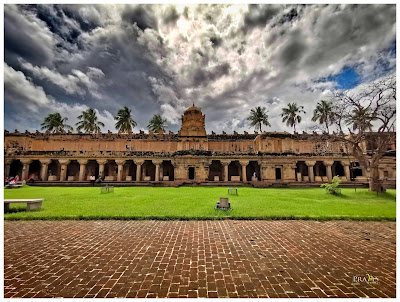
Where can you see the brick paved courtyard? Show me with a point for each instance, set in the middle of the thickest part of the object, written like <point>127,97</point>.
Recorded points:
<point>198,258</point>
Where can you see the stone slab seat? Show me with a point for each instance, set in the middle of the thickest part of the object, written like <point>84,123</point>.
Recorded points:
<point>31,204</point>
<point>223,204</point>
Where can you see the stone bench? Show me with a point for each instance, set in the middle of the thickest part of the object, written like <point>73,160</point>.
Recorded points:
<point>216,178</point>
<point>232,191</point>
<point>128,178</point>
<point>223,204</point>
<point>107,189</point>
<point>235,178</point>
<point>52,178</point>
<point>71,178</point>
<point>109,178</point>
<point>147,178</point>
<point>165,178</point>
<point>31,204</point>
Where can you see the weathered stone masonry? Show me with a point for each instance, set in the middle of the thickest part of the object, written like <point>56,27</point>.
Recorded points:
<point>189,156</point>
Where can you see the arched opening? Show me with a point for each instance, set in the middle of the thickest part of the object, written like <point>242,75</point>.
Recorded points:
<point>253,170</point>
<point>234,171</point>
<point>148,171</point>
<point>167,170</point>
<point>337,169</point>
<point>92,169</point>
<point>110,170</point>
<point>16,168</point>
<point>54,170</point>
<point>355,169</point>
<point>319,169</point>
<point>34,170</point>
<point>73,170</point>
<point>129,171</point>
<point>216,171</point>
<point>301,170</point>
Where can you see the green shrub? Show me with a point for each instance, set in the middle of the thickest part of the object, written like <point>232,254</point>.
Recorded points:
<point>333,188</point>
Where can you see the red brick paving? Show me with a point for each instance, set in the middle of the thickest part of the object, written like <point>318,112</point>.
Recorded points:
<point>198,258</point>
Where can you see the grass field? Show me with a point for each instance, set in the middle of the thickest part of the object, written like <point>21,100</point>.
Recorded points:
<point>199,203</point>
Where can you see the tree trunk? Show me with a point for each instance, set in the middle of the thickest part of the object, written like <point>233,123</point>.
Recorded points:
<point>375,184</point>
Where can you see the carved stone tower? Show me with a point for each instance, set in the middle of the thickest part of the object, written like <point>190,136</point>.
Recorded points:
<point>193,123</point>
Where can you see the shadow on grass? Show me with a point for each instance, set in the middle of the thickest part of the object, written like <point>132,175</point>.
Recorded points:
<point>15,210</point>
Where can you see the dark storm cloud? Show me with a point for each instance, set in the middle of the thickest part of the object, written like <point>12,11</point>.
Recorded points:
<point>170,16</point>
<point>260,14</point>
<point>203,77</point>
<point>26,39</point>
<point>294,49</point>
<point>139,15</point>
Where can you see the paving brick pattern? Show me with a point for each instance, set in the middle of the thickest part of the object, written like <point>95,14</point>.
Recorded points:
<point>198,258</point>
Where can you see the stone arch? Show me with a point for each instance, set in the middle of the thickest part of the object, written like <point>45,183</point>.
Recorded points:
<point>234,169</point>
<point>216,169</point>
<point>337,169</point>
<point>148,171</point>
<point>251,168</point>
<point>129,170</point>
<point>167,169</point>
<point>92,168</point>
<point>16,168</point>
<point>302,168</point>
<point>355,169</point>
<point>320,169</point>
<point>54,170</point>
<point>110,169</point>
<point>34,170</point>
<point>73,169</point>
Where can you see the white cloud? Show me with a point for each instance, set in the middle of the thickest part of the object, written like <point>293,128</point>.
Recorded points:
<point>33,104</point>
<point>73,83</point>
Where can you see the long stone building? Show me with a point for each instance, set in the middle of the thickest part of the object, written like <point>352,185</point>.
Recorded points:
<point>189,157</point>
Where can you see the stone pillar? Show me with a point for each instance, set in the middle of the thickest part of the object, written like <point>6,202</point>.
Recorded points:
<point>225,164</point>
<point>139,164</point>
<point>244,164</point>
<point>25,168</point>
<point>157,163</point>
<point>7,167</point>
<point>45,168</point>
<point>82,169</point>
<point>64,163</point>
<point>310,165</point>
<point>328,167</point>
<point>120,164</point>
<point>101,163</point>
<point>346,167</point>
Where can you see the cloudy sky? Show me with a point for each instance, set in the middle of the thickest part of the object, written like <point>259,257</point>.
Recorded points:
<point>160,59</point>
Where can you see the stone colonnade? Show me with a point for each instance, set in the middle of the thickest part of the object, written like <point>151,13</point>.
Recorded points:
<point>268,171</point>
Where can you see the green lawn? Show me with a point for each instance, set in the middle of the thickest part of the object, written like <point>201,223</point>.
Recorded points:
<point>199,203</point>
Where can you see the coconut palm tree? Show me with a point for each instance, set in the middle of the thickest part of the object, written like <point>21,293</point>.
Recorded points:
<point>124,123</point>
<point>89,122</point>
<point>157,124</point>
<point>361,118</point>
<point>258,116</point>
<point>291,115</point>
<point>324,113</point>
<point>55,122</point>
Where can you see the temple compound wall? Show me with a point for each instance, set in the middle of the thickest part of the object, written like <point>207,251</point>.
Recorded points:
<point>189,156</point>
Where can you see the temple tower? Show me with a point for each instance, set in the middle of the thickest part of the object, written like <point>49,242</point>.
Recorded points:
<point>193,123</point>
